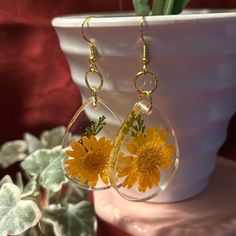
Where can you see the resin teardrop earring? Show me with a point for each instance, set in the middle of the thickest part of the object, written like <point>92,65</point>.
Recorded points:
<point>145,153</point>
<point>87,155</point>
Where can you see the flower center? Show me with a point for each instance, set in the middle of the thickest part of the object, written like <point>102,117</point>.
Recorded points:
<point>93,162</point>
<point>147,158</point>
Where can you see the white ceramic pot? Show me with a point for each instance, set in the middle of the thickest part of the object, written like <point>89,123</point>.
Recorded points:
<point>194,57</point>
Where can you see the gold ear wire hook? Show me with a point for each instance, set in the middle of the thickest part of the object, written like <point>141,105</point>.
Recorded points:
<point>142,23</point>
<point>145,72</point>
<point>93,69</point>
<point>82,29</point>
<point>144,52</point>
<point>93,54</point>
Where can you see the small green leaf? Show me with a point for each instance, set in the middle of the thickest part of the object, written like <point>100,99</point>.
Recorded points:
<point>33,142</point>
<point>19,181</point>
<point>141,7</point>
<point>47,164</point>
<point>158,7</point>
<point>75,194</point>
<point>47,228</point>
<point>6,179</point>
<point>179,6</point>
<point>16,215</point>
<point>30,188</point>
<point>95,127</point>
<point>52,138</point>
<point>73,220</point>
<point>137,125</point>
<point>12,152</point>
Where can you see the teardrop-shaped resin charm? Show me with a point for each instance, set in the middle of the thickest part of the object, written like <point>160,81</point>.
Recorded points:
<point>145,154</point>
<point>87,144</point>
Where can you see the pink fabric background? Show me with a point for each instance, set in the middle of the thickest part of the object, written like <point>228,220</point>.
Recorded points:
<point>35,87</point>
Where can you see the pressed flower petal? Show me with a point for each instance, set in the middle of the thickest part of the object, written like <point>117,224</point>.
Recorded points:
<point>141,183</point>
<point>156,177</point>
<point>92,181</point>
<point>74,154</point>
<point>151,133</point>
<point>72,172</point>
<point>149,181</point>
<point>86,143</point>
<point>166,152</point>
<point>77,147</point>
<point>93,143</point>
<point>150,152</point>
<point>123,159</point>
<point>71,162</point>
<point>92,164</point>
<point>162,135</point>
<point>139,140</point>
<point>133,179</point>
<point>107,146</point>
<point>132,148</point>
<point>104,177</point>
<point>101,141</point>
<point>123,171</point>
<point>128,182</point>
<point>82,180</point>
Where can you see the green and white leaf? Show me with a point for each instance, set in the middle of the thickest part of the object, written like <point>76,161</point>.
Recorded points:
<point>74,220</point>
<point>6,179</point>
<point>75,194</point>
<point>52,138</point>
<point>19,181</point>
<point>12,152</point>
<point>16,215</point>
<point>47,228</point>
<point>47,164</point>
<point>33,142</point>
<point>30,188</point>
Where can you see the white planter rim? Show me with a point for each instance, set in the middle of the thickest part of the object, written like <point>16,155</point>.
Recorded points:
<point>118,20</point>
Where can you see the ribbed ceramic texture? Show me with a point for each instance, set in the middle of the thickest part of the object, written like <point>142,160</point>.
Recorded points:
<point>194,58</point>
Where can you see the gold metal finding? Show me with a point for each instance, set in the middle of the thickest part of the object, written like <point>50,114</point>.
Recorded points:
<point>93,68</point>
<point>145,47</point>
<point>145,72</point>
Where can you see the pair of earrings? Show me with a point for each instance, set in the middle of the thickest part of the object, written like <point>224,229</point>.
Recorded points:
<point>139,160</point>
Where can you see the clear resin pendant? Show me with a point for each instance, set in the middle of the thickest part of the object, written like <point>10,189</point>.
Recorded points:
<point>87,144</point>
<point>145,154</point>
<point>89,136</point>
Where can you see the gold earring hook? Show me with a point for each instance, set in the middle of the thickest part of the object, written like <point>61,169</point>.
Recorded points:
<point>93,69</point>
<point>145,47</point>
<point>93,51</point>
<point>82,29</point>
<point>142,23</point>
<point>145,72</point>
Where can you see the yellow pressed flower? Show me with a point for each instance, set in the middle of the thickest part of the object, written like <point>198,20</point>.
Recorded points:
<point>88,160</point>
<point>149,153</point>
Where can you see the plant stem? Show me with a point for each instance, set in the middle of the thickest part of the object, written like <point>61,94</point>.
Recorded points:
<point>47,197</point>
<point>168,7</point>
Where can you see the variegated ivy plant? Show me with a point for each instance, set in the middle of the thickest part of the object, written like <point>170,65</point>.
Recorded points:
<point>159,7</point>
<point>47,204</point>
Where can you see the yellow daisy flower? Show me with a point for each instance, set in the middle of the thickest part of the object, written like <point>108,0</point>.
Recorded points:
<point>149,153</point>
<point>88,160</point>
